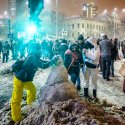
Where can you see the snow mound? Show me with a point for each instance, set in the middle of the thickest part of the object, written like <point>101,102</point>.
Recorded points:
<point>71,112</point>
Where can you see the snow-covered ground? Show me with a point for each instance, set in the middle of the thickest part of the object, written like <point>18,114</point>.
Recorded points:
<point>110,91</point>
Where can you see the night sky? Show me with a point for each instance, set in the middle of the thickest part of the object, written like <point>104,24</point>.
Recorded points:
<point>74,7</point>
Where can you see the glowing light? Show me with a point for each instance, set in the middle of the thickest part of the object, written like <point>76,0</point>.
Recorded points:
<point>5,13</point>
<point>123,10</point>
<point>115,9</point>
<point>32,29</point>
<point>26,2</point>
<point>84,8</point>
<point>105,11</point>
<point>47,1</point>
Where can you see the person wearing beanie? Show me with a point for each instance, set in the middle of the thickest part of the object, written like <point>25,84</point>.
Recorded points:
<point>91,55</point>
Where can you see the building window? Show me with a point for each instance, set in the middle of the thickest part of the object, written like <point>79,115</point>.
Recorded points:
<point>99,27</point>
<point>90,26</point>
<point>96,26</point>
<point>104,28</point>
<point>78,33</point>
<point>72,26</point>
<point>87,25</point>
<point>78,25</point>
<point>83,25</point>
<point>72,34</point>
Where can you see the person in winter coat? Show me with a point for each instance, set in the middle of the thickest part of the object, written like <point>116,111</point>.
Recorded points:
<point>91,55</point>
<point>72,62</point>
<point>0,48</point>
<point>5,51</point>
<point>63,48</point>
<point>105,47</point>
<point>114,54</point>
<point>80,41</point>
<point>24,77</point>
<point>56,46</point>
<point>100,60</point>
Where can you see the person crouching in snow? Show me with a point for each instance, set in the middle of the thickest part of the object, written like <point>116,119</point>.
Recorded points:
<point>72,62</point>
<point>91,55</point>
<point>24,77</point>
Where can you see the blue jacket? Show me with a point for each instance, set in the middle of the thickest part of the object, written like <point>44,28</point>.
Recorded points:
<point>29,68</point>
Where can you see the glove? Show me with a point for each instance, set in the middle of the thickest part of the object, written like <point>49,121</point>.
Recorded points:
<point>54,60</point>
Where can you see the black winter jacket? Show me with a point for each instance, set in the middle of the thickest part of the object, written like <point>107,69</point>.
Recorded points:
<point>29,68</point>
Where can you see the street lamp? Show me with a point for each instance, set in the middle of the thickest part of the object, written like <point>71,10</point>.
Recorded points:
<point>105,11</point>
<point>114,15</point>
<point>115,9</point>
<point>123,10</point>
<point>26,2</point>
<point>47,1</point>
<point>5,13</point>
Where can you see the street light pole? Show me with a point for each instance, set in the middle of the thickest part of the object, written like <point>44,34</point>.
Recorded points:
<point>114,28</point>
<point>114,15</point>
<point>56,19</point>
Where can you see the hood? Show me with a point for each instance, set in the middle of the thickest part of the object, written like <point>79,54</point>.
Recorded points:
<point>92,40</point>
<point>73,44</point>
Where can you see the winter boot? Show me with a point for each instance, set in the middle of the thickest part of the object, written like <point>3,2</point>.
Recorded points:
<point>94,93</point>
<point>78,87</point>
<point>95,99</point>
<point>86,92</point>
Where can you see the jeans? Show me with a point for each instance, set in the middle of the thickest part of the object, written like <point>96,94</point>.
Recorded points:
<point>78,78</point>
<point>74,77</point>
<point>78,81</point>
<point>106,62</point>
<point>112,67</point>
<point>5,56</point>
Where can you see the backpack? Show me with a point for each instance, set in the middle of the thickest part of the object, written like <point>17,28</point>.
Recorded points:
<point>16,67</point>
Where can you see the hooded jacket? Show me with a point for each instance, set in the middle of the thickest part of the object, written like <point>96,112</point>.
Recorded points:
<point>29,68</point>
<point>91,53</point>
<point>72,59</point>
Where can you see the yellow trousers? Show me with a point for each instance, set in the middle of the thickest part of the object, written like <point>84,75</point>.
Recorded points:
<point>17,94</point>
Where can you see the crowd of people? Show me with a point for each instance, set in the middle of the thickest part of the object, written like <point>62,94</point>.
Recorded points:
<point>86,56</point>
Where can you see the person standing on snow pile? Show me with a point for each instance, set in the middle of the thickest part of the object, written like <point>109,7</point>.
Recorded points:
<point>24,77</point>
<point>91,55</point>
<point>72,62</point>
